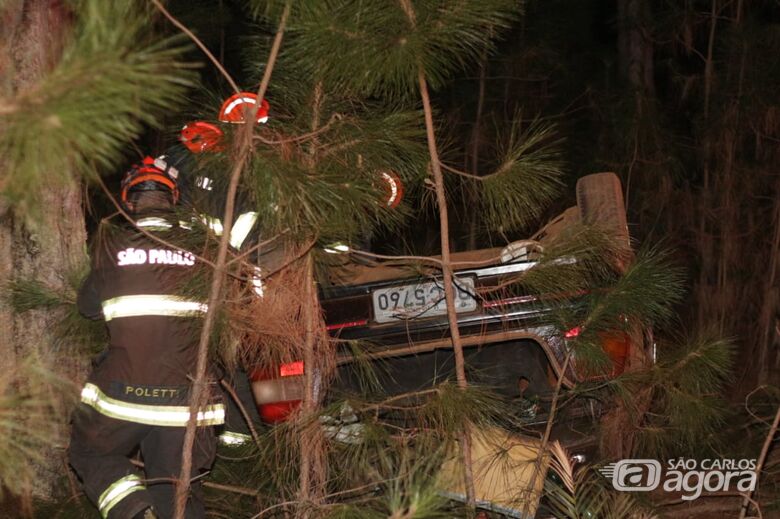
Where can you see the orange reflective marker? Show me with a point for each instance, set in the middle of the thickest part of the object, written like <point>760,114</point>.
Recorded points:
<point>200,136</point>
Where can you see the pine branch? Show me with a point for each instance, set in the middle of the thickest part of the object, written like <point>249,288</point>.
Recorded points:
<point>379,50</point>
<point>682,388</point>
<point>527,178</point>
<point>96,100</point>
<point>30,294</point>
<point>31,399</point>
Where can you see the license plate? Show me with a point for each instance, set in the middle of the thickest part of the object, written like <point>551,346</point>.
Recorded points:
<point>421,300</point>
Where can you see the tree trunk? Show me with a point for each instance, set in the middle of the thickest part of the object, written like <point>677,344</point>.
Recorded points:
<point>635,54</point>
<point>705,233</point>
<point>767,329</point>
<point>635,48</point>
<point>316,361</point>
<point>51,245</point>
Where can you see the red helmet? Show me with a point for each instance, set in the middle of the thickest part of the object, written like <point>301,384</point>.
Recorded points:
<point>147,176</point>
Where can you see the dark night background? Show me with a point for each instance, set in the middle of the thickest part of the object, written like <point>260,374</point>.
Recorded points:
<point>678,97</point>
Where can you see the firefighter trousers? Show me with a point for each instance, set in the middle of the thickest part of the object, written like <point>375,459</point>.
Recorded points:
<point>100,450</point>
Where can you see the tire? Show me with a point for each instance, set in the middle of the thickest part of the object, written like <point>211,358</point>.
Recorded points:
<point>600,201</point>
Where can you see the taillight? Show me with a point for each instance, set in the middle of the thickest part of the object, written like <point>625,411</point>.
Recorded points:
<point>616,344</point>
<point>278,393</point>
<point>278,412</point>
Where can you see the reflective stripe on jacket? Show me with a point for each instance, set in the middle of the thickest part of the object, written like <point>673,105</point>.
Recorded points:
<point>240,230</point>
<point>148,304</point>
<point>162,415</point>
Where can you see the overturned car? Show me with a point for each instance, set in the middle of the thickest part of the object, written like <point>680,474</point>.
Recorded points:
<point>512,340</point>
<point>522,341</point>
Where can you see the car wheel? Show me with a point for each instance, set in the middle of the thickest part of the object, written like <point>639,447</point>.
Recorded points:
<point>600,200</point>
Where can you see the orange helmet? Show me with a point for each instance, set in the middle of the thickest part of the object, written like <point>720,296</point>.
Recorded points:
<point>233,109</point>
<point>147,176</point>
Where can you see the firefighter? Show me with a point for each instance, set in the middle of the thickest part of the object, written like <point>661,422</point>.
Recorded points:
<point>137,396</point>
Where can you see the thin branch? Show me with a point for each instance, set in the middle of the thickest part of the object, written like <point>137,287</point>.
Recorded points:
<point>446,263</point>
<point>747,405</point>
<point>708,65</point>
<point>264,82</point>
<point>329,150</point>
<point>476,132</point>
<point>422,259</point>
<point>211,484</point>
<point>429,259</point>
<point>547,430</point>
<point>501,170</point>
<point>760,464</point>
<point>198,396</point>
<point>315,123</point>
<point>461,173</point>
<point>306,136</point>
<point>631,165</point>
<point>371,485</point>
<point>231,488</point>
<point>384,404</point>
<point>138,150</point>
<point>305,490</point>
<point>291,260</point>
<point>199,43</point>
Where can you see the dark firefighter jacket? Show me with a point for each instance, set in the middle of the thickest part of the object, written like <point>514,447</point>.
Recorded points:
<point>138,286</point>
